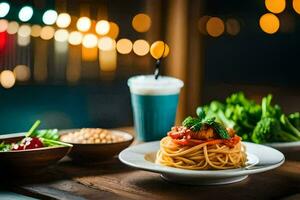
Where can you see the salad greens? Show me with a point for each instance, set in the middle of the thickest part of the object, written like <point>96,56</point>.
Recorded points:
<point>196,123</point>
<point>48,137</point>
<point>259,123</point>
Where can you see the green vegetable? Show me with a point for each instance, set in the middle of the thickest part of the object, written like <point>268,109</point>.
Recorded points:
<point>195,124</point>
<point>5,147</point>
<point>289,126</point>
<point>294,118</point>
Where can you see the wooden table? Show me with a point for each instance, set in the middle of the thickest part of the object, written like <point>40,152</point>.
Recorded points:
<point>114,180</point>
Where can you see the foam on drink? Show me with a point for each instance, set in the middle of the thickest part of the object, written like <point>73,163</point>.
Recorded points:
<point>148,85</point>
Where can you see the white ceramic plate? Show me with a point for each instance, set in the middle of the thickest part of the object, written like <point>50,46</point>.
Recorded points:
<point>285,147</point>
<point>142,156</point>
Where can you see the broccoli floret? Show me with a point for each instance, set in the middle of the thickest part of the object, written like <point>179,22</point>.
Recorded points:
<point>288,126</point>
<point>269,129</point>
<point>294,118</point>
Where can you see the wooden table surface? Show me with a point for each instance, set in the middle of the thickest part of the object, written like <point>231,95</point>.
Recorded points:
<point>114,180</point>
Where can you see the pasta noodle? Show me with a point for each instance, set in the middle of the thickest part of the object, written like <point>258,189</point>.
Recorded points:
<point>203,156</point>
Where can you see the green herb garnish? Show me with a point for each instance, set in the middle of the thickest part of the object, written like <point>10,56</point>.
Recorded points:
<point>196,123</point>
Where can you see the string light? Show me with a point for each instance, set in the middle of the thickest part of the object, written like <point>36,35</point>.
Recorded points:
<point>89,41</point>
<point>106,44</point>
<point>47,32</point>
<point>296,6</point>
<point>275,6</point>
<point>36,30</point>
<point>4,9</point>
<point>24,30</point>
<point>124,46</point>
<point>215,27</point>
<point>7,79</point>
<point>83,24</point>
<point>102,27</point>
<point>113,30</point>
<point>269,23</point>
<point>3,25</point>
<point>50,17</point>
<point>159,49</point>
<point>25,13</point>
<point>61,35</point>
<point>232,26</point>
<point>12,27</point>
<point>141,22</point>
<point>23,41</point>
<point>75,38</point>
<point>63,20</point>
<point>141,47</point>
<point>22,73</point>
<point>202,24</point>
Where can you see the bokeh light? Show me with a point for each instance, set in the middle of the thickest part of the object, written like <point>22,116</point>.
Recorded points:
<point>269,23</point>
<point>215,27</point>
<point>61,35</point>
<point>89,40</point>
<point>63,20</point>
<point>275,6</point>
<point>22,73</point>
<point>23,41</point>
<point>75,38</point>
<point>7,79</point>
<point>36,30</point>
<point>202,24</point>
<point>106,44</point>
<point>83,24</point>
<point>50,17</point>
<point>124,46</point>
<point>102,27</point>
<point>141,47</point>
<point>47,32</point>
<point>3,25</point>
<point>24,30</point>
<point>232,26</point>
<point>4,9</point>
<point>113,30</point>
<point>12,27</point>
<point>141,22</point>
<point>296,6</point>
<point>159,49</point>
<point>25,13</point>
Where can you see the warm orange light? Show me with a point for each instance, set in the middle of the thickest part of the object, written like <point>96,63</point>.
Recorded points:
<point>47,32</point>
<point>83,24</point>
<point>102,27</point>
<point>7,79</point>
<point>275,6</point>
<point>3,25</point>
<point>141,47</point>
<point>12,27</point>
<point>89,41</point>
<point>159,49</point>
<point>232,26</point>
<point>24,31</point>
<point>106,44</point>
<point>215,27</point>
<point>113,30</point>
<point>202,24</point>
<point>22,72</point>
<point>75,38</point>
<point>296,6</point>
<point>269,23</point>
<point>63,20</point>
<point>36,30</point>
<point>124,46</point>
<point>141,22</point>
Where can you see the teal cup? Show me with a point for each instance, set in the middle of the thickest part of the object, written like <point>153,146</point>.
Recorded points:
<point>154,104</point>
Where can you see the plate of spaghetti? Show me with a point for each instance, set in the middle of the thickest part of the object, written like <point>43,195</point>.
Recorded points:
<point>202,152</point>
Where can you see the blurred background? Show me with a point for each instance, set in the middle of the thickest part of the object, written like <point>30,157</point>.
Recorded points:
<point>66,62</point>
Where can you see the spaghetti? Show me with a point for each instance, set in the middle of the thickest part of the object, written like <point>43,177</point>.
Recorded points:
<point>202,152</point>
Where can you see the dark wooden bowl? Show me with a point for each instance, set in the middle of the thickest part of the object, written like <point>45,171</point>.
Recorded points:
<point>98,152</point>
<point>29,161</point>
